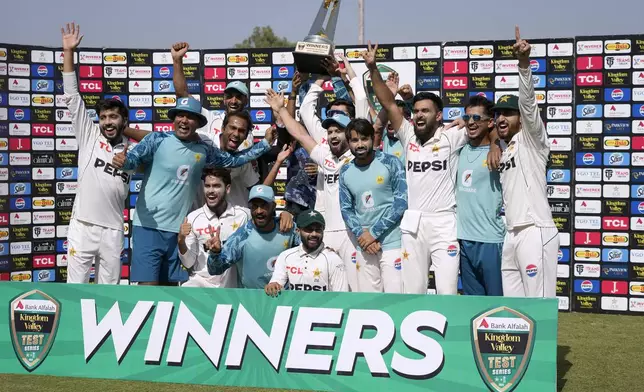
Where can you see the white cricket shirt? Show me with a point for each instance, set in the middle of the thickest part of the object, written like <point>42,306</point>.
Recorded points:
<point>523,164</point>
<point>243,177</point>
<point>320,270</point>
<point>329,170</point>
<point>102,188</point>
<point>196,256</point>
<point>432,167</point>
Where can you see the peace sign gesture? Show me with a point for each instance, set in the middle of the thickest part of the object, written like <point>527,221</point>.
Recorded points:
<point>521,49</point>
<point>214,242</point>
<point>369,56</point>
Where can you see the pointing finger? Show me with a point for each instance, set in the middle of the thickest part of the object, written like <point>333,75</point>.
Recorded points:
<point>517,33</point>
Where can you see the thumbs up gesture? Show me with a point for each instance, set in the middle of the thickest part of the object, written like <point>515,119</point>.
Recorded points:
<point>185,230</point>
<point>120,158</point>
<point>214,243</point>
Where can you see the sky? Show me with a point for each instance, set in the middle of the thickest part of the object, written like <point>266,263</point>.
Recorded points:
<point>215,24</point>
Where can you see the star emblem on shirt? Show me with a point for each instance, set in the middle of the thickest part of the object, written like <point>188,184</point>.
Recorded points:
<point>405,255</point>
<point>285,244</point>
<point>357,266</point>
<point>347,160</point>
<point>380,180</point>
<point>72,252</point>
<point>485,163</point>
<point>316,273</point>
<point>235,225</point>
<point>197,157</point>
<point>435,148</point>
<point>397,154</point>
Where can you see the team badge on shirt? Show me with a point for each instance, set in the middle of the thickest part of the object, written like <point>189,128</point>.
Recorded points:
<point>367,200</point>
<point>405,255</point>
<point>197,157</point>
<point>380,180</point>
<point>285,247</point>
<point>435,149</point>
<point>316,273</point>
<point>397,154</point>
<point>235,225</point>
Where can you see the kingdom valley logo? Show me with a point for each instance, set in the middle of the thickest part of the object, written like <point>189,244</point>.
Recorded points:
<point>502,343</point>
<point>34,322</point>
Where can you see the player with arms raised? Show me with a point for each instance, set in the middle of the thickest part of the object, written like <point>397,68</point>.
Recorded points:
<point>529,264</point>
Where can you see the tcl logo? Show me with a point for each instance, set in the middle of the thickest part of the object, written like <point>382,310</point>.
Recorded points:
<point>4,219</point>
<point>455,83</point>
<point>44,261</point>
<point>590,63</point>
<point>587,238</point>
<point>163,128</point>
<point>90,87</point>
<point>42,129</point>
<point>294,270</point>
<point>214,87</point>
<point>615,223</point>
<point>590,79</point>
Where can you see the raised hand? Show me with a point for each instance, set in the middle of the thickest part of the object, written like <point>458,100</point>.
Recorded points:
<point>521,49</point>
<point>184,230</point>
<point>119,159</point>
<point>286,152</point>
<point>332,66</point>
<point>214,242</point>
<point>71,36</point>
<point>405,92</point>
<point>347,67</point>
<point>275,100</point>
<point>179,50</point>
<point>393,80</point>
<point>297,81</point>
<point>369,56</point>
<point>271,133</point>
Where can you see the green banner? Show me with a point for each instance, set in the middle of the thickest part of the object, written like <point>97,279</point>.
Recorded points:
<point>299,340</point>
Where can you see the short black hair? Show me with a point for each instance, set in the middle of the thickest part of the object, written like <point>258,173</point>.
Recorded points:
<point>350,106</point>
<point>244,115</point>
<point>111,103</point>
<point>405,107</point>
<point>431,96</point>
<point>362,127</point>
<point>219,172</point>
<point>482,101</point>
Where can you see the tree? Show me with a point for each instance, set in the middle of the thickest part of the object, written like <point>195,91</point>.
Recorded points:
<point>264,37</point>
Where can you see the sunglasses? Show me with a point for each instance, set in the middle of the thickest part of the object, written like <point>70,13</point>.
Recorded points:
<point>475,117</point>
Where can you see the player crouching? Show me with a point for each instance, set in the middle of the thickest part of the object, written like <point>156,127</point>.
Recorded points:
<point>310,266</point>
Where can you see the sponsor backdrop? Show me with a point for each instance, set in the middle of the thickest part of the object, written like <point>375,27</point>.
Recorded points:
<point>326,341</point>
<point>590,89</point>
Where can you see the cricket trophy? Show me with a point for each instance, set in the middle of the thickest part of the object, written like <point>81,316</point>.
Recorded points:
<point>319,43</point>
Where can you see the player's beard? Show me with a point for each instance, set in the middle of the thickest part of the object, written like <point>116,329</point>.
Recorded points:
<point>311,241</point>
<point>112,131</point>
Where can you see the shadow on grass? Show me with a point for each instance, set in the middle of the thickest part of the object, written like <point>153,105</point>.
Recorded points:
<point>563,365</point>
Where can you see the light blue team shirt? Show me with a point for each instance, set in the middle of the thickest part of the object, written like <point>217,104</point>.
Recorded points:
<point>393,146</point>
<point>478,198</point>
<point>254,252</point>
<point>173,174</point>
<point>374,197</point>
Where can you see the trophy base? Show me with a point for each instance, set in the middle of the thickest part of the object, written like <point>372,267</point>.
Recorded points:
<point>308,56</point>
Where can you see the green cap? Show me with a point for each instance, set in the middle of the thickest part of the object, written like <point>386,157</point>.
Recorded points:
<point>308,217</point>
<point>509,102</point>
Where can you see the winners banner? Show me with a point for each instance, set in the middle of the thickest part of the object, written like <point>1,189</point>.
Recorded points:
<point>299,340</point>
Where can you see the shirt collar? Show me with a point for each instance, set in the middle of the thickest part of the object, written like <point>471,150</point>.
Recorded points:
<point>229,211</point>
<point>435,138</point>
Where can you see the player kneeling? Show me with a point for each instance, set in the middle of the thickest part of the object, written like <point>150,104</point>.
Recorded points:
<point>310,266</point>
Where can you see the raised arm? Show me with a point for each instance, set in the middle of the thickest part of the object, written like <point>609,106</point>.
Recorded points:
<point>179,79</point>
<point>286,152</point>
<point>531,121</point>
<point>385,97</point>
<point>135,134</point>
<point>394,213</point>
<point>347,205</point>
<point>308,111</point>
<point>142,153</point>
<point>220,158</point>
<point>294,128</point>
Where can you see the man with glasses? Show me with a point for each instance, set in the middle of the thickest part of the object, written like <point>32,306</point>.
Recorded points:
<point>479,199</point>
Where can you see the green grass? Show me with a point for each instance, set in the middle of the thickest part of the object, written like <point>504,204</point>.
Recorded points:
<point>595,353</point>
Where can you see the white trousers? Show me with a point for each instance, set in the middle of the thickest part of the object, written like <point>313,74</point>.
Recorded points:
<point>429,239</point>
<point>89,244</point>
<point>343,244</point>
<point>227,280</point>
<point>379,273</point>
<point>529,262</point>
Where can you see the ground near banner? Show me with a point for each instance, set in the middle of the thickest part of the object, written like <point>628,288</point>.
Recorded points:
<point>595,353</point>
